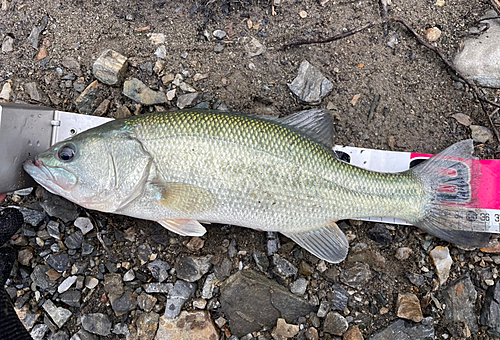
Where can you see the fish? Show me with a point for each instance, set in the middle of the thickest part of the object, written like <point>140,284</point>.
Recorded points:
<point>188,167</point>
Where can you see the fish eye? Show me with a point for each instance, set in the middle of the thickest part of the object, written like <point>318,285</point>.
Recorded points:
<point>66,153</point>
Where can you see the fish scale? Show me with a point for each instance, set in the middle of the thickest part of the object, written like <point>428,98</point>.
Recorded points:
<point>182,167</point>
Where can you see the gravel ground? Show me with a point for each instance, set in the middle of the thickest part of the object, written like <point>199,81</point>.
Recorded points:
<point>84,274</point>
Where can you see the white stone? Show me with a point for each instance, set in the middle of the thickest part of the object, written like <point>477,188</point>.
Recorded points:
<point>442,261</point>
<point>66,284</point>
<point>84,224</point>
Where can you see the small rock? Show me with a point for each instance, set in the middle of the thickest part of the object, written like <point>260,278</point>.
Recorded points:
<point>139,92</point>
<point>460,313</point>
<point>340,298</point>
<point>124,303</point>
<point>24,256</point>
<point>184,54</point>
<point>157,38</point>
<point>72,64</point>
<point>324,308</point>
<point>96,323</point>
<point>53,229</point>
<point>442,261</point>
<point>219,34</point>
<point>158,287</point>
<point>481,134</point>
<point>310,86</point>
<point>38,332</point>
<point>273,243</point>
<point>84,224</point>
<point>356,276</point>
<point>58,207</point>
<point>66,284</point>
<point>478,59</point>
<point>353,334</point>
<point>58,314</point>
<point>113,284</point>
<point>33,91</point>
<point>7,45</point>
<point>463,119</point>
<point>110,67</point>
<point>416,279</point>
<point>171,94</point>
<point>92,283</point>
<point>195,244</point>
<point>407,330</point>
<point>40,278</point>
<point>177,296</point>
<point>71,298</point>
<point>187,100</point>
<point>195,325</point>
<point>380,234</point>
<point>90,98</point>
<point>121,329</point>
<point>299,286</point>
<point>159,270</point>
<point>144,253</point>
<point>283,267</point>
<point>74,241</point>
<point>59,262</point>
<point>199,303</point>
<point>210,282</point>
<point>200,76</point>
<point>192,268</point>
<point>433,34</point>
<point>490,312</point>
<point>261,261</point>
<point>184,87</point>
<point>161,52</point>
<point>493,246</point>
<point>6,90</point>
<point>312,334</point>
<point>284,330</point>
<point>403,253</point>
<point>254,48</point>
<point>146,302</point>
<point>129,276</point>
<point>409,307</point>
<point>335,324</point>
<point>147,324</point>
<point>84,335</point>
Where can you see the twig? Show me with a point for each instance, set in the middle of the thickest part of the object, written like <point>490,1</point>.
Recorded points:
<point>326,40</point>
<point>373,107</point>
<point>473,85</point>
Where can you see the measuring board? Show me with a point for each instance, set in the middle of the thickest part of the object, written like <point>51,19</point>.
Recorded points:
<point>483,211</point>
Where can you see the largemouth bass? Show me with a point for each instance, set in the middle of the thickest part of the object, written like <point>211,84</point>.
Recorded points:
<point>182,167</point>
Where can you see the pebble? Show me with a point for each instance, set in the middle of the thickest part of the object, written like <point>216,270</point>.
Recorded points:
<point>161,52</point>
<point>71,298</point>
<point>158,287</point>
<point>126,302</point>
<point>284,330</point>
<point>253,47</point>
<point>340,298</point>
<point>53,229</point>
<point>84,224</point>
<point>433,34</point>
<point>74,241</point>
<point>408,307</point>
<point>310,86</point>
<point>335,324</point>
<point>490,312</point>
<point>89,100</point>
<point>84,335</point>
<point>193,325</point>
<point>312,334</point>
<point>199,303</point>
<point>442,261</point>
<point>66,284</point>
<point>303,14</point>
<point>171,94</point>
<point>324,308</point>
<point>219,34</point>
<point>58,207</point>
<point>92,283</point>
<point>157,38</point>
<point>184,55</point>
<point>38,332</point>
<point>273,243</point>
<point>159,270</point>
<point>147,324</point>
<point>416,279</point>
<point>356,276</point>
<point>353,334</point>
<point>72,64</point>
<point>129,276</point>
<point>177,296</point>
<point>146,302</point>
<point>260,302</point>
<point>25,255</point>
<point>403,253</point>
<point>478,59</point>
<point>299,286</point>
<point>6,91</point>
<point>463,119</point>
<point>481,134</point>
<point>200,76</point>
<point>283,267</point>
<point>139,92</point>
<point>8,44</point>
<point>121,329</point>
<point>380,234</point>
<point>96,323</point>
<point>59,262</point>
<point>208,288</point>
<point>33,91</point>
<point>113,284</point>
<point>493,247</point>
<point>460,313</point>
<point>195,244</point>
<point>34,37</point>
<point>110,67</point>
<point>192,268</point>
<point>407,330</point>
<point>187,100</point>
<point>58,314</point>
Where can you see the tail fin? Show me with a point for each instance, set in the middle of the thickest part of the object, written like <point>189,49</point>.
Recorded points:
<point>447,180</point>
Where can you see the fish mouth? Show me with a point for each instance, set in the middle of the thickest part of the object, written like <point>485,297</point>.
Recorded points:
<point>57,180</point>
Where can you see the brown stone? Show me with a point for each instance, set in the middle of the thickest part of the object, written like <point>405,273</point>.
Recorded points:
<point>196,325</point>
<point>409,307</point>
<point>284,330</point>
<point>353,334</point>
<point>493,247</point>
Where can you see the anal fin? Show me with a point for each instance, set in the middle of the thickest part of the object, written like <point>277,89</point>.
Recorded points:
<point>184,227</point>
<point>327,242</point>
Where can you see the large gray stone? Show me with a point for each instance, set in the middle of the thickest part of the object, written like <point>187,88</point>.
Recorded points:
<point>110,67</point>
<point>139,92</point>
<point>407,330</point>
<point>479,57</point>
<point>310,85</point>
<point>177,296</point>
<point>490,313</point>
<point>460,313</point>
<point>251,301</point>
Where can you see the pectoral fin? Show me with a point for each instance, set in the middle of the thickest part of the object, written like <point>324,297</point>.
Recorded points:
<point>187,199</point>
<point>327,242</point>
<point>184,227</point>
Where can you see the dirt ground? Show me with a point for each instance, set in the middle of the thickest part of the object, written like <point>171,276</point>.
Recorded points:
<point>417,94</point>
